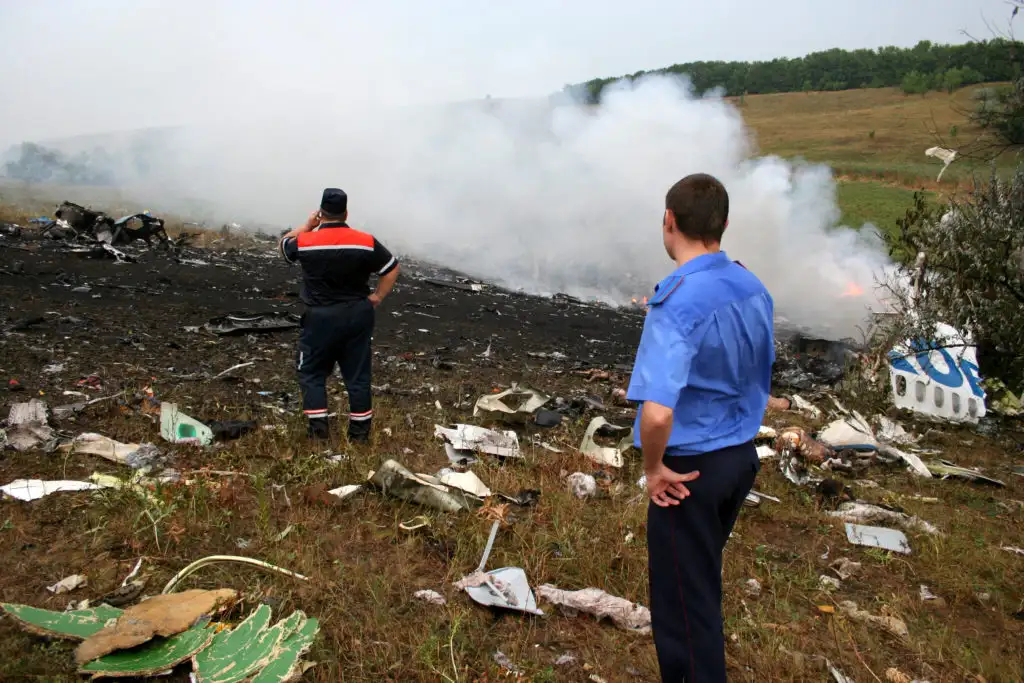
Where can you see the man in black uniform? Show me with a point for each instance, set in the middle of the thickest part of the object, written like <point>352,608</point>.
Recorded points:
<point>337,262</point>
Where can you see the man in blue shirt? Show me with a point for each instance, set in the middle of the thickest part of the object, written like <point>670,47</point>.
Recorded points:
<point>702,375</point>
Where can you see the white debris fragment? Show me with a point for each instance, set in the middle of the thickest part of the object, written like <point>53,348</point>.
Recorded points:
<point>765,452</point>
<point>471,438</point>
<point>346,491</point>
<point>804,406</point>
<point>605,455</point>
<point>861,513</point>
<point>623,613</point>
<point>34,489</point>
<point>837,675</point>
<point>878,537</point>
<point>893,432</point>
<point>829,583</point>
<point>1013,549</point>
<point>68,584</point>
<point>926,594</point>
<point>752,588</point>
<point>845,568</point>
<point>582,485</point>
<point>31,413</point>
<point>892,625</point>
<point>431,597</point>
<point>464,481</point>
<point>516,404</point>
<point>852,430</point>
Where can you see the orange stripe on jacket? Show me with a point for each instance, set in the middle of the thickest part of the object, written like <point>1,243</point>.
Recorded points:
<point>335,237</point>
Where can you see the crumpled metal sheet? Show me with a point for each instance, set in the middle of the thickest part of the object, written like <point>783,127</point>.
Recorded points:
<point>514,405</point>
<point>944,469</point>
<point>623,613</point>
<point>860,513</point>
<point>507,588</point>
<point>239,323</point>
<point>605,455</point>
<point>395,480</point>
<point>478,439</point>
<point>34,489</point>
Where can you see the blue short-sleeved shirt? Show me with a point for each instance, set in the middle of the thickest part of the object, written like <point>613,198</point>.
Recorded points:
<point>707,351</point>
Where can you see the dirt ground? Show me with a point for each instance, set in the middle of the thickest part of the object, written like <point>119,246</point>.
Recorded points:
<point>65,318</point>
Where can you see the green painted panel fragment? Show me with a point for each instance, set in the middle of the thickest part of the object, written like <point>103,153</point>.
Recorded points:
<point>159,654</point>
<point>286,664</point>
<point>225,646</point>
<point>75,625</point>
<point>249,656</point>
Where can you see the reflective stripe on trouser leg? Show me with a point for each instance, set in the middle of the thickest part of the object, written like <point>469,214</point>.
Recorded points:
<point>313,367</point>
<point>356,367</point>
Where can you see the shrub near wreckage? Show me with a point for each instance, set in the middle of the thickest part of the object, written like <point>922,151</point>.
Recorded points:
<point>960,281</point>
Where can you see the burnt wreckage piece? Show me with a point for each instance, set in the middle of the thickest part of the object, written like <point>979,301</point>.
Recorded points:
<point>804,363</point>
<point>74,220</point>
<point>240,323</point>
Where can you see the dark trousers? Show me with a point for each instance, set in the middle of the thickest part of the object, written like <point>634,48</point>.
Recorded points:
<point>685,544</point>
<point>337,334</point>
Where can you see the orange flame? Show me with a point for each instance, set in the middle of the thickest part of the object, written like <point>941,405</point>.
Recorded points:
<point>852,289</point>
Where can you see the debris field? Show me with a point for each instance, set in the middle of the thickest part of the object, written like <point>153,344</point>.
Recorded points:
<point>494,526</point>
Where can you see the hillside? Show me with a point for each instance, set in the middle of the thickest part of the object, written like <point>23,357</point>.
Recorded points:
<point>874,139</point>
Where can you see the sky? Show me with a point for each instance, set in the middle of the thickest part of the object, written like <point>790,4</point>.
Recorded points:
<point>72,67</point>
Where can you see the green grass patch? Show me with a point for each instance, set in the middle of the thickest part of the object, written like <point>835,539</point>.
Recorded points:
<point>871,202</point>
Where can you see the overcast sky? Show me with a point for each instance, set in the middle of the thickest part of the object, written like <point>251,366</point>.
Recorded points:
<point>69,67</point>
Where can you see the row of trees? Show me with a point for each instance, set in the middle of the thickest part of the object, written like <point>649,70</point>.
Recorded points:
<point>937,66</point>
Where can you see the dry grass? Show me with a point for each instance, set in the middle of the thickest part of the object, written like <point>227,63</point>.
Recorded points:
<point>364,569</point>
<point>874,133</point>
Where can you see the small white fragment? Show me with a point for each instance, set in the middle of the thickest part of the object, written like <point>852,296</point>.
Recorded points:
<point>828,583</point>
<point>344,492</point>
<point>753,588</point>
<point>68,584</point>
<point>582,485</point>
<point>431,597</point>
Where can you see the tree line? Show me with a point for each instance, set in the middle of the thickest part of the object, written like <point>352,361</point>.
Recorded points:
<point>926,66</point>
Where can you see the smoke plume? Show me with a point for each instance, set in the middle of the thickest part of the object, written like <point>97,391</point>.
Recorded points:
<point>542,195</point>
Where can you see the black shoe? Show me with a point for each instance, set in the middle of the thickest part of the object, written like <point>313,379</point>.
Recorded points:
<point>359,437</point>
<point>318,429</point>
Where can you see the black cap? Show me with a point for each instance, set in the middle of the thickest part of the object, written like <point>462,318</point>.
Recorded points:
<point>334,202</point>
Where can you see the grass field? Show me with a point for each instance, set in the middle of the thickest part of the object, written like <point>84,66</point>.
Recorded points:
<point>874,140</point>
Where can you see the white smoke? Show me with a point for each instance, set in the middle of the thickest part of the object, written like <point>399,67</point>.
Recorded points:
<point>540,195</point>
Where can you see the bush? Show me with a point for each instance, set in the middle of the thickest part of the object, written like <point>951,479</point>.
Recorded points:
<point>916,83</point>
<point>973,274</point>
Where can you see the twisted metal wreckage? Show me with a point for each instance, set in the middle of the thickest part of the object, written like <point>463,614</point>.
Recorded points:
<point>74,222</point>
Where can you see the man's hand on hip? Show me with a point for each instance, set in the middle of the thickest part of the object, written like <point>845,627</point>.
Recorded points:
<point>666,487</point>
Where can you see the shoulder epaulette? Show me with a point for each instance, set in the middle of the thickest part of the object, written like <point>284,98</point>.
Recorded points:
<point>662,293</point>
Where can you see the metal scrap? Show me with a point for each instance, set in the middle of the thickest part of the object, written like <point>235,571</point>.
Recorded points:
<point>878,537</point>
<point>471,438</point>
<point>240,323</point>
<point>515,405</point>
<point>395,480</point>
<point>623,613</point>
<point>605,455</point>
<point>944,470</point>
<point>507,587</point>
<point>858,513</point>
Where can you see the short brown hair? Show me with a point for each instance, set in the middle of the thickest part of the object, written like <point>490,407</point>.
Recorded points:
<point>701,207</point>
